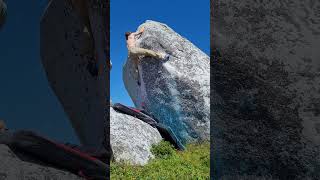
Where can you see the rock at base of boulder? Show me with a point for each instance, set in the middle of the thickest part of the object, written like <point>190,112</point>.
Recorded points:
<point>13,167</point>
<point>131,139</point>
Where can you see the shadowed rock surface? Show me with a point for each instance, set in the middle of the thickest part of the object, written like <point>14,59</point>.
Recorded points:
<point>266,91</point>
<point>20,167</point>
<point>176,91</point>
<point>131,139</point>
<point>3,13</point>
<point>73,54</point>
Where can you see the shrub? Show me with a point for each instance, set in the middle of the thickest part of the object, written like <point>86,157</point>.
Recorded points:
<point>163,150</point>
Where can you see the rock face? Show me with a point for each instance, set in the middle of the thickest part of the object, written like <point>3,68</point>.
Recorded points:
<point>266,90</point>
<point>131,139</point>
<point>74,54</point>
<point>3,13</point>
<point>13,167</point>
<point>175,91</point>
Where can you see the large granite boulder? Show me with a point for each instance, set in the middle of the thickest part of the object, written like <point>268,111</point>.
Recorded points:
<point>74,52</point>
<point>174,91</point>
<point>131,139</point>
<point>17,166</point>
<point>266,90</point>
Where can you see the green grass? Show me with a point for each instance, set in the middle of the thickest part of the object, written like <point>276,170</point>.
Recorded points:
<point>193,163</point>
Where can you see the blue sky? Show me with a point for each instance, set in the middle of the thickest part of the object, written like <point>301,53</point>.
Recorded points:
<point>190,19</point>
<point>26,100</point>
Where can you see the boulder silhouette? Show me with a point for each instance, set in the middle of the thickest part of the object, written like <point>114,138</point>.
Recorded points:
<point>74,56</point>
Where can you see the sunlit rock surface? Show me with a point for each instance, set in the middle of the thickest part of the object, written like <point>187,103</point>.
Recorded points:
<point>174,91</point>
<point>131,139</point>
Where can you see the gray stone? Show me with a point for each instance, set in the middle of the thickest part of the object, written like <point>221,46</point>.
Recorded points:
<point>174,91</point>
<point>73,54</point>
<point>131,139</point>
<point>12,167</point>
<point>266,89</point>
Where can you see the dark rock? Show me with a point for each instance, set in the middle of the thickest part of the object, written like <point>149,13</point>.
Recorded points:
<point>19,166</point>
<point>73,53</point>
<point>266,92</point>
<point>3,13</point>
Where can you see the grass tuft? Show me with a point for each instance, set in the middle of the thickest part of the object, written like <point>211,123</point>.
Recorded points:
<point>193,163</point>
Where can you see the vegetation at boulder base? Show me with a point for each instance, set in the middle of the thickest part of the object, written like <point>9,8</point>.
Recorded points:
<point>193,163</point>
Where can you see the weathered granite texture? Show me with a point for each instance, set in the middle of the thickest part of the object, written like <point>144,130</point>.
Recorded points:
<point>131,139</point>
<point>175,91</point>
<point>266,89</point>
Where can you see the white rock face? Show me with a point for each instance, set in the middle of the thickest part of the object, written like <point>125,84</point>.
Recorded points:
<point>177,91</point>
<point>14,168</point>
<point>75,63</point>
<point>131,139</point>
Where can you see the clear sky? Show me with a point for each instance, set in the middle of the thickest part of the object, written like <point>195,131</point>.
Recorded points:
<point>190,19</point>
<point>26,100</point>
